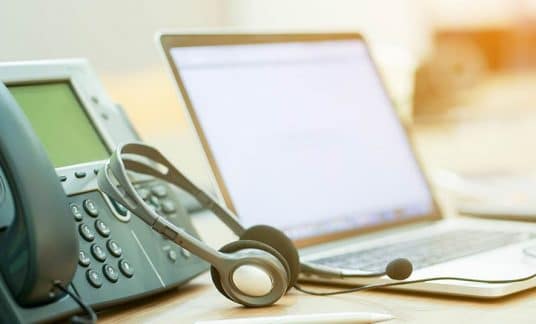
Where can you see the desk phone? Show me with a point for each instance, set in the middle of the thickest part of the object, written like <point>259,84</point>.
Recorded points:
<point>57,126</point>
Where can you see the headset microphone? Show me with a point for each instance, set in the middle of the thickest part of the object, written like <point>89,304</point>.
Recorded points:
<point>259,268</point>
<point>398,269</point>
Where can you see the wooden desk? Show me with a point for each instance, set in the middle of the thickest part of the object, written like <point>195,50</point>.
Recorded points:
<point>199,300</point>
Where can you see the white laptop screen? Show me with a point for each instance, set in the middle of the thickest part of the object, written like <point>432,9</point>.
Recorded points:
<point>303,135</point>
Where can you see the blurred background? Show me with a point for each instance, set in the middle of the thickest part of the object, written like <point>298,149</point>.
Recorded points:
<point>462,74</point>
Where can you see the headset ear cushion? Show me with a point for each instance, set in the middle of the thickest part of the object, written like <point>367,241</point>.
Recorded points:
<point>281,242</point>
<point>243,245</point>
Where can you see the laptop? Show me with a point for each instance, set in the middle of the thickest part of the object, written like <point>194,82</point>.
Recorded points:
<point>300,134</point>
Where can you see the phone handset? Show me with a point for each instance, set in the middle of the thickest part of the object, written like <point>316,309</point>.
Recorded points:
<point>38,241</point>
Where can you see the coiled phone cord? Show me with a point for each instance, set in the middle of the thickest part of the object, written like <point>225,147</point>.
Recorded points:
<point>91,317</point>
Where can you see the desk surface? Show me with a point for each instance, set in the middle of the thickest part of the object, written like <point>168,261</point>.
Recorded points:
<point>477,145</point>
<point>199,300</point>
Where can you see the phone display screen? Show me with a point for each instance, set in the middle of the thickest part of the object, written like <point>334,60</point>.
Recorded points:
<point>60,121</point>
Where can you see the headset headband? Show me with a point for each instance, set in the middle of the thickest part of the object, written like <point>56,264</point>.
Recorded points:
<point>164,170</point>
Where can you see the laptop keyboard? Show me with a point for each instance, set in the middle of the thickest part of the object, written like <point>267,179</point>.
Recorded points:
<point>424,252</point>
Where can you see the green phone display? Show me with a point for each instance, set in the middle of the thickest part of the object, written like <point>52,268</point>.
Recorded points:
<point>58,119</point>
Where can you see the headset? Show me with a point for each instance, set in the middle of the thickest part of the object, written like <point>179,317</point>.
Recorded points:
<point>259,268</point>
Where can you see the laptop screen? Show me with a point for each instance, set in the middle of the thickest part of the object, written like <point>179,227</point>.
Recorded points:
<point>302,135</point>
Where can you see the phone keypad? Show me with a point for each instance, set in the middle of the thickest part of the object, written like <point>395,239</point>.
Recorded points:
<point>155,196</point>
<point>103,249</point>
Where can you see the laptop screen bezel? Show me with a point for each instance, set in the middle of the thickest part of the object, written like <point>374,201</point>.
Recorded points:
<point>168,41</point>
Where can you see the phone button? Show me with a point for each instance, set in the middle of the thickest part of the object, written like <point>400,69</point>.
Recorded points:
<point>102,228</point>
<point>144,193</point>
<point>98,252</point>
<point>159,190</point>
<point>91,208</point>
<point>110,273</point>
<point>154,202</point>
<point>126,268</point>
<point>114,248</point>
<point>80,174</point>
<point>94,278</point>
<point>120,209</point>
<point>83,259</point>
<point>185,253</point>
<point>168,207</point>
<point>172,256</point>
<point>76,211</point>
<point>86,232</point>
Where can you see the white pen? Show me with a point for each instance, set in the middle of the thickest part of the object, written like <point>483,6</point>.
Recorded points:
<point>346,317</point>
